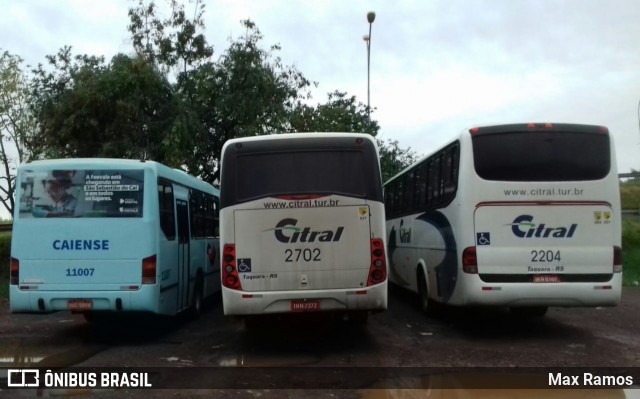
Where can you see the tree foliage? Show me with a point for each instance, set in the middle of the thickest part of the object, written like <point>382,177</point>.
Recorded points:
<point>247,92</point>
<point>16,124</point>
<point>169,42</point>
<point>394,158</point>
<point>172,103</point>
<point>125,109</point>
<point>342,113</point>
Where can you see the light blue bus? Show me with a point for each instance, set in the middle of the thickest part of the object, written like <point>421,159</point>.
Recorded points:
<point>100,236</point>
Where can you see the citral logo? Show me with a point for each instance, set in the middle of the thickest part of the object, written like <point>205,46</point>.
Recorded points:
<point>524,227</point>
<point>287,232</point>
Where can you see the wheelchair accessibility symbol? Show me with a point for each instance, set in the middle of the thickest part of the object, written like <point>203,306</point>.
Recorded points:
<point>244,265</point>
<point>483,238</point>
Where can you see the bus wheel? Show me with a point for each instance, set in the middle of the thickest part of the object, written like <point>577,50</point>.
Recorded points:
<point>359,317</point>
<point>423,293</point>
<point>530,311</point>
<point>427,305</point>
<point>196,306</point>
<point>89,317</point>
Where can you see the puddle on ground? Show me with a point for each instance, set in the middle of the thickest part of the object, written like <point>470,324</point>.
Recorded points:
<point>268,361</point>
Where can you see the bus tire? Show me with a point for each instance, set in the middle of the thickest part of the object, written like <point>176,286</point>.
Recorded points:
<point>529,311</point>
<point>89,317</point>
<point>196,305</point>
<point>359,317</point>
<point>427,305</point>
<point>253,323</point>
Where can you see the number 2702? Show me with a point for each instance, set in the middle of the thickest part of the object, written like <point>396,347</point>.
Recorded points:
<point>545,256</point>
<point>307,254</point>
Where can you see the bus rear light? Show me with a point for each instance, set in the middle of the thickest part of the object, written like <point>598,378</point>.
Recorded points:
<point>231,281</point>
<point>14,271</point>
<point>149,270</point>
<point>230,278</point>
<point>470,260</point>
<point>378,268</point>
<point>617,259</point>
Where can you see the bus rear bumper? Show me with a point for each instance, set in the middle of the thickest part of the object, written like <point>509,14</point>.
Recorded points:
<point>241,303</point>
<point>545,294</point>
<point>35,301</point>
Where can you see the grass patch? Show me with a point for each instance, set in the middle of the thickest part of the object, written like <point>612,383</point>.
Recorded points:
<point>630,195</point>
<point>630,251</point>
<point>630,234</point>
<point>630,266</point>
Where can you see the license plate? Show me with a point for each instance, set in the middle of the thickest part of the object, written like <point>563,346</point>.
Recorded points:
<point>305,306</point>
<point>546,279</point>
<point>80,304</point>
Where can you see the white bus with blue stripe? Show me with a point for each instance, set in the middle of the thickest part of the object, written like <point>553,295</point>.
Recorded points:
<point>100,236</point>
<point>525,216</point>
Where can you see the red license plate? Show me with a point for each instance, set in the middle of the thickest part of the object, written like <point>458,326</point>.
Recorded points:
<point>546,279</point>
<point>79,304</point>
<point>305,306</point>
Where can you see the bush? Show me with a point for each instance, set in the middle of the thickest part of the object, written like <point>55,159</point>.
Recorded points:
<point>630,235</point>
<point>631,266</point>
<point>630,195</point>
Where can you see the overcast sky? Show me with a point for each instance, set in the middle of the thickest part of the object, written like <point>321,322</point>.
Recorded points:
<point>437,66</point>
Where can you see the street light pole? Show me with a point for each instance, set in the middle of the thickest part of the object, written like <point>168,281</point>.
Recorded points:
<point>371,16</point>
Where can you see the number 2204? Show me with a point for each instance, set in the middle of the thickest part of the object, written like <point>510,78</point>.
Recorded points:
<point>545,256</point>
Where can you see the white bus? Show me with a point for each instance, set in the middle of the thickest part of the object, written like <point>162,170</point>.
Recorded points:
<point>106,236</point>
<point>525,216</point>
<point>302,225</point>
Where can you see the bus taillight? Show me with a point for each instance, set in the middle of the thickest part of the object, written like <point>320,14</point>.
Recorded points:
<point>378,268</point>
<point>617,259</point>
<point>149,270</point>
<point>470,260</point>
<point>230,278</point>
<point>14,271</point>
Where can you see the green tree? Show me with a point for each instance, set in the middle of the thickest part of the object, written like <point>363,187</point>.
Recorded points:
<point>247,92</point>
<point>123,109</point>
<point>17,124</point>
<point>342,113</point>
<point>130,107</point>
<point>174,42</point>
<point>394,158</point>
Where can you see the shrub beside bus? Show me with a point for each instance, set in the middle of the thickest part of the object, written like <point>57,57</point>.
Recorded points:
<point>101,236</point>
<point>524,215</point>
